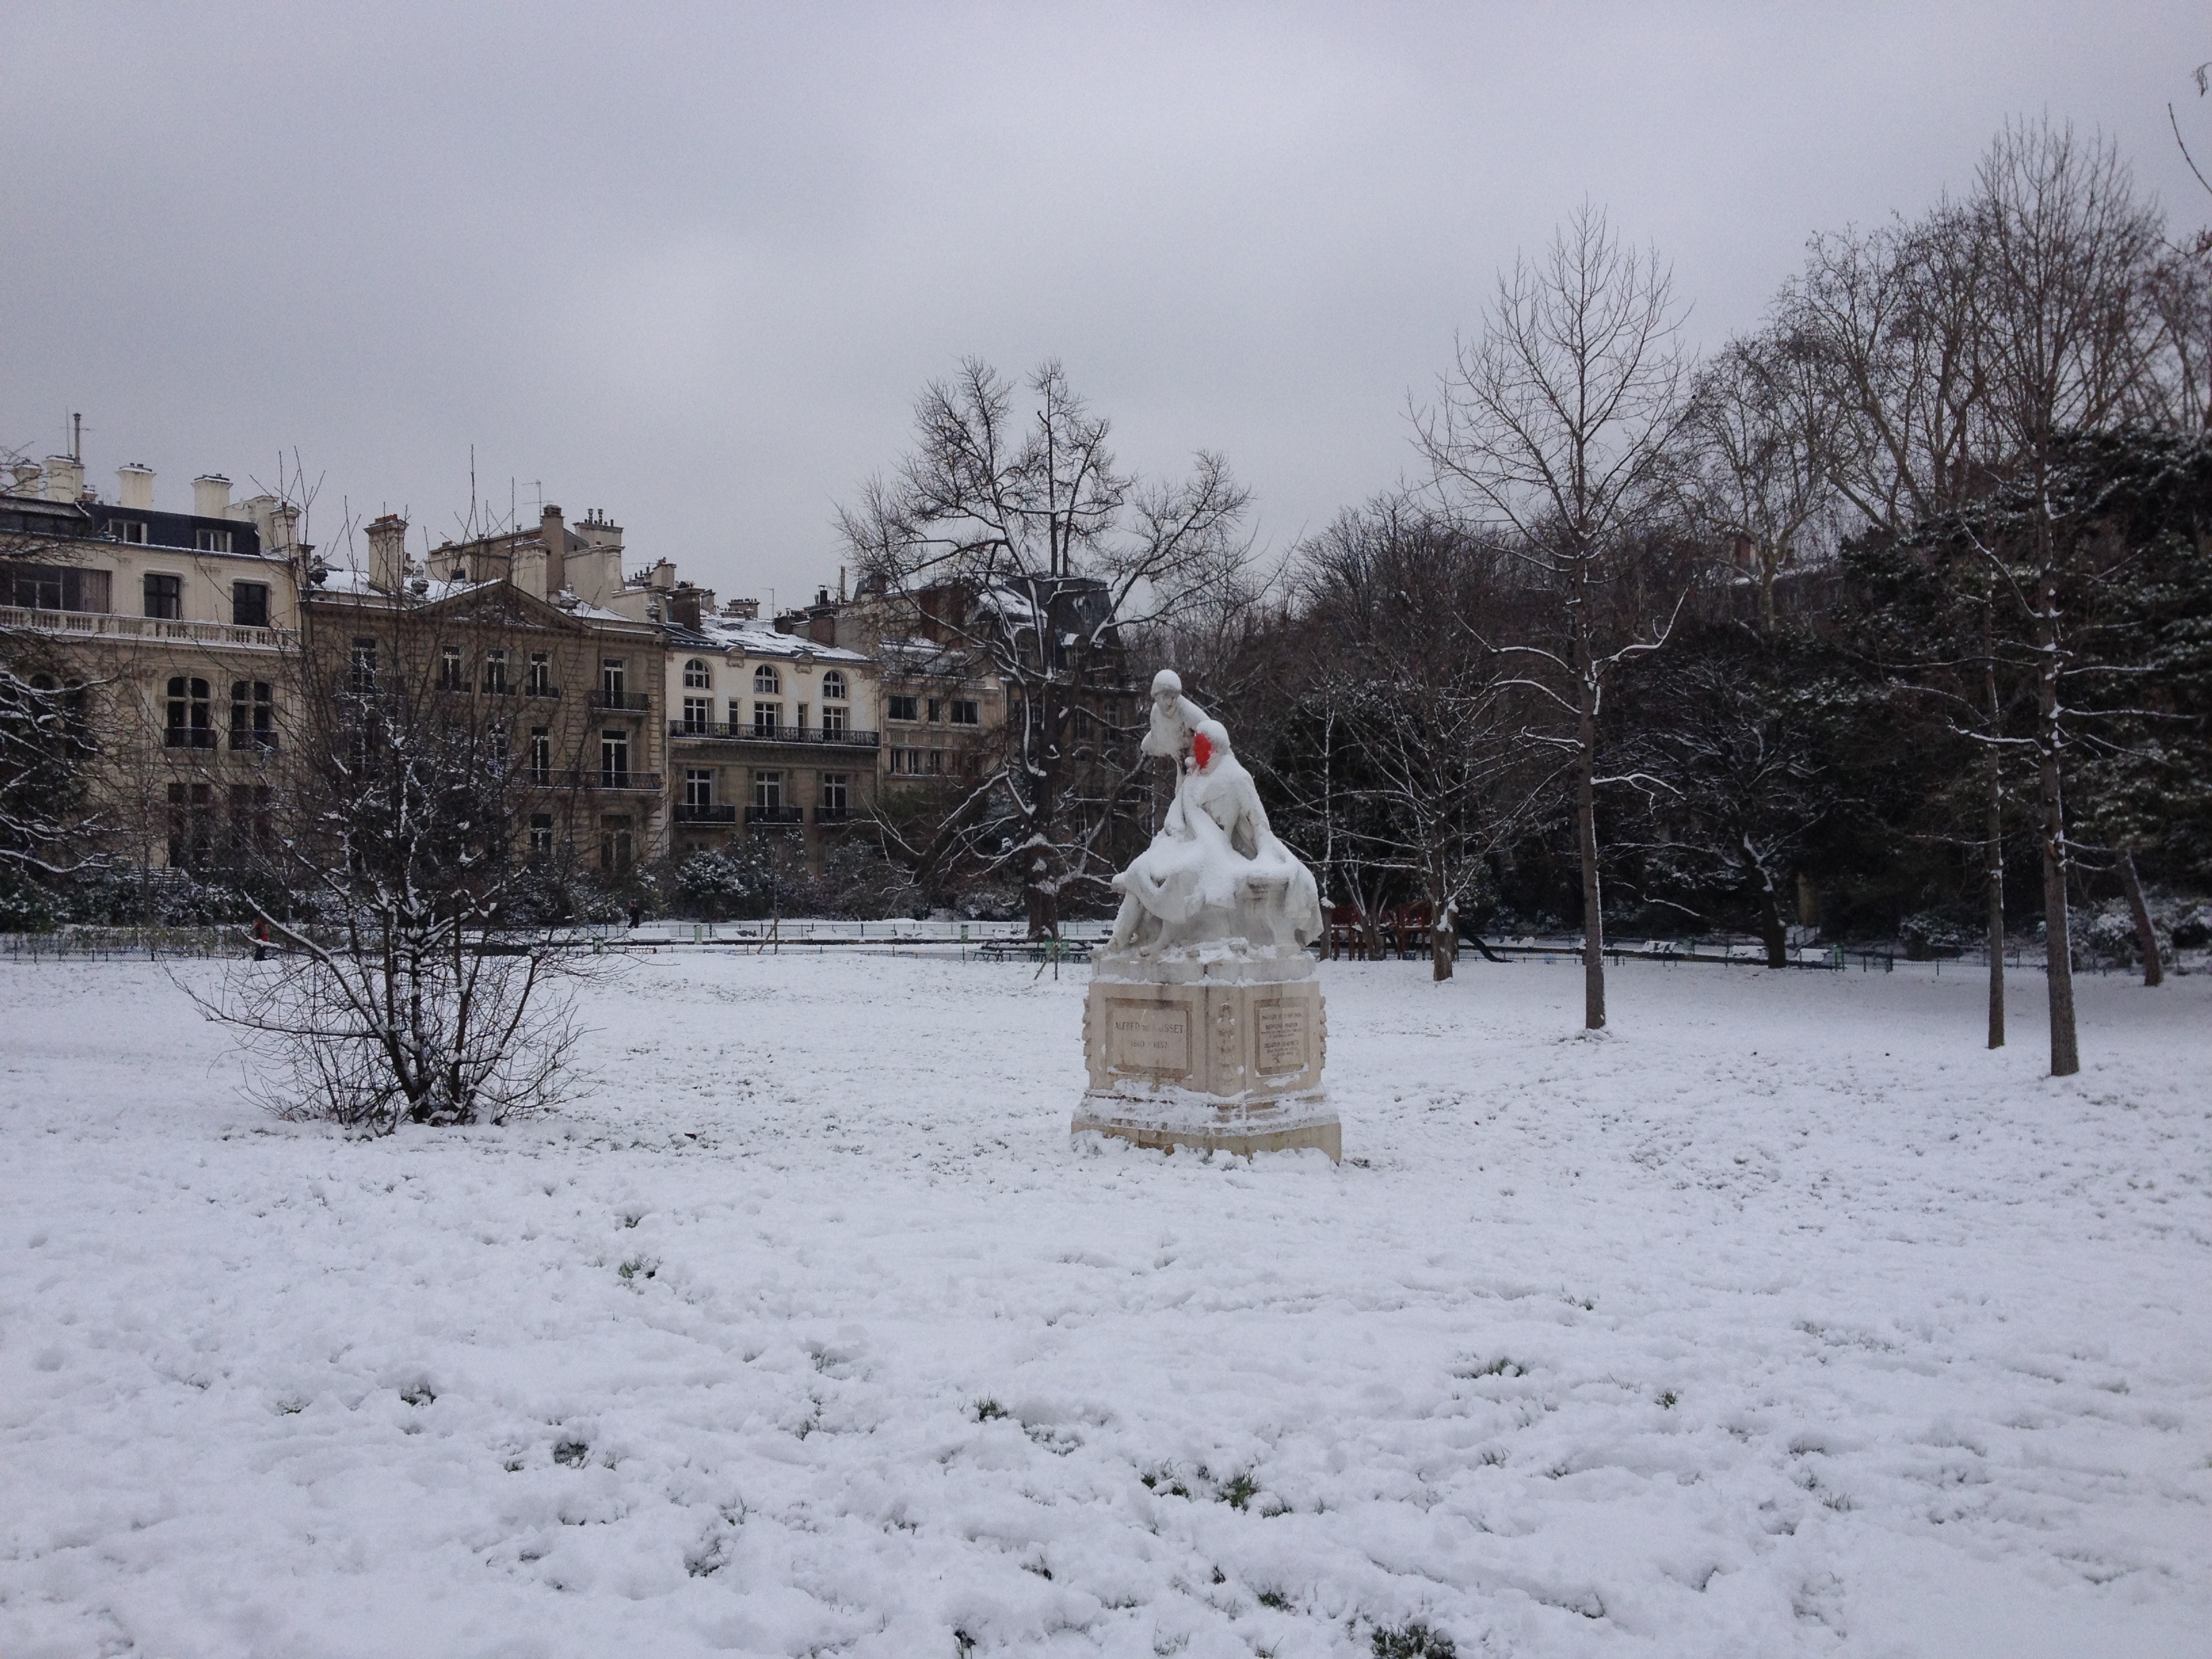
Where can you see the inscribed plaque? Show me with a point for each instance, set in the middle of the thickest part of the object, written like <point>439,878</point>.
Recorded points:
<point>1148,1036</point>
<point>1281,1029</point>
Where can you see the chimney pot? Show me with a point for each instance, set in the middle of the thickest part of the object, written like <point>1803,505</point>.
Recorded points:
<point>64,478</point>
<point>211,496</point>
<point>134,487</point>
<point>387,553</point>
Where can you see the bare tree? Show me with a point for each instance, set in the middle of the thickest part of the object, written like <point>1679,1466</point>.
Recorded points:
<point>1043,551</point>
<point>1759,460</point>
<point>406,873</point>
<point>1557,425</point>
<point>2066,335</point>
<point>1431,711</point>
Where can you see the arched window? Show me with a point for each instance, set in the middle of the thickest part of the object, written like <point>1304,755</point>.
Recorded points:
<point>696,677</point>
<point>833,686</point>
<point>187,725</point>
<point>766,681</point>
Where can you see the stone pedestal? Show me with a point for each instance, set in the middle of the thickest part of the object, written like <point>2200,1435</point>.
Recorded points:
<point>1219,1049</point>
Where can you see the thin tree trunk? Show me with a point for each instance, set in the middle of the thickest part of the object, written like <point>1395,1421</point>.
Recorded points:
<point>1993,834</point>
<point>2058,937</point>
<point>1993,866</point>
<point>1593,913</point>
<point>1440,932</point>
<point>2146,935</point>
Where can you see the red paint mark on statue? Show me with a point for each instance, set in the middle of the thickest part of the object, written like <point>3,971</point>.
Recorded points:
<point>1200,750</point>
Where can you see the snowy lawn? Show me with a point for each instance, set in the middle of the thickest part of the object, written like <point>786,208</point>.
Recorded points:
<point>1782,1320</point>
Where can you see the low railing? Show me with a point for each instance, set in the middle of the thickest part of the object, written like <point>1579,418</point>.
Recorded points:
<point>185,736</point>
<point>265,741</point>
<point>591,777</point>
<point>688,811</point>
<point>102,624</point>
<point>622,703</point>
<point>833,814</point>
<point>738,732</point>
<point>775,815</point>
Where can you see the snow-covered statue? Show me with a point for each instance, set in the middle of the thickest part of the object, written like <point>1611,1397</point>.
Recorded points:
<point>1215,871</point>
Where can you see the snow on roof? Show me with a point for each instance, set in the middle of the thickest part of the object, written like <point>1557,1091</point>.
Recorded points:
<point>761,639</point>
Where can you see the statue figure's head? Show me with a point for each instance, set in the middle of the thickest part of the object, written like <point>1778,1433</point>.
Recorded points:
<point>1209,744</point>
<point>1167,686</point>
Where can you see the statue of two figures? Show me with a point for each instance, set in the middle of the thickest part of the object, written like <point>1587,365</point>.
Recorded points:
<point>1204,1026</point>
<point>1214,874</point>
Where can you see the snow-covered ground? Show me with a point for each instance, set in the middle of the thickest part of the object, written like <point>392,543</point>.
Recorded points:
<point>1782,1320</point>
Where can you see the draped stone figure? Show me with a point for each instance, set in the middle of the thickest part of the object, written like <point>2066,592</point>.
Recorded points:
<point>1205,1026</point>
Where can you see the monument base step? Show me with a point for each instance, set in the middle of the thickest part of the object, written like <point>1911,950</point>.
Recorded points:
<point>1277,1126</point>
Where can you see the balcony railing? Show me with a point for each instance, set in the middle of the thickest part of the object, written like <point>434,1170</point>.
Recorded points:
<point>622,702</point>
<point>591,777</point>
<point>100,624</point>
<point>692,811</point>
<point>264,741</point>
<point>738,731</point>
<point>775,815</point>
<point>189,737</point>
<point>833,814</point>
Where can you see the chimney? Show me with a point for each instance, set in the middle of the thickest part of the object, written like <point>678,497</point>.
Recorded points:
<point>662,576</point>
<point>387,553</point>
<point>26,478</point>
<point>553,531</point>
<point>211,495</point>
<point>284,528</point>
<point>684,602</point>
<point>134,487</point>
<point>64,478</point>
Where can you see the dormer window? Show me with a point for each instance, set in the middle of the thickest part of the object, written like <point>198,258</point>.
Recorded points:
<point>129,530</point>
<point>208,541</point>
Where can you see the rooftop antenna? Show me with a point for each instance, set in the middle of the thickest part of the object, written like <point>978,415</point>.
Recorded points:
<point>76,438</point>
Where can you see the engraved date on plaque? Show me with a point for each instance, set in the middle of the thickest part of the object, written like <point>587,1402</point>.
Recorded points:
<point>1281,1029</point>
<point>1147,1037</point>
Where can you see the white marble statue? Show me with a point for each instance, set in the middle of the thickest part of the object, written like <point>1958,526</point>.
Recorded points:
<point>1215,871</point>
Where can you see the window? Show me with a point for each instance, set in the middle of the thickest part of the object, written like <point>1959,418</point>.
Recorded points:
<point>799,717</point>
<point>698,785</point>
<point>249,818</point>
<point>836,794</point>
<point>833,719</point>
<point>449,668</point>
<point>362,674</point>
<point>187,723</point>
<point>698,713</point>
<point>765,716</point>
<point>538,683</point>
<point>696,675</point>
<point>617,846</point>
<point>495,679</point>
<point>495,749</point>
<point>249,604</point>
<point>905,708</point>
<point>131,530</point>
<point>541,833</point>
<point>1083,722</point>
<point>768,791</point>
<point>965,712</point>
<point>614,759</point>
<point>165,597</point>
<point>252,715</point>
<point>217,540</point>
<point>541,755</point>
<point>906,762</point>
<point>614,679</point>
<point>936,710</point>
<point>767,682</point>
<point>936,760</point>
<point>54,588</point>
<point>191,825</point>
<point>833,686</point>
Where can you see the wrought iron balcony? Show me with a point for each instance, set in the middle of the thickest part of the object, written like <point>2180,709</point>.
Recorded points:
<point>622,702</point>
<point>690,812</point>
<point>633,781</point>
<point>740,731</point>
<point>775,815</point>
<point>264,741</point>
<point>189,737</point>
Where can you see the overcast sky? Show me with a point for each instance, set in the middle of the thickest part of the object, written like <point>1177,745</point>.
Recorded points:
<point>692,264</point>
